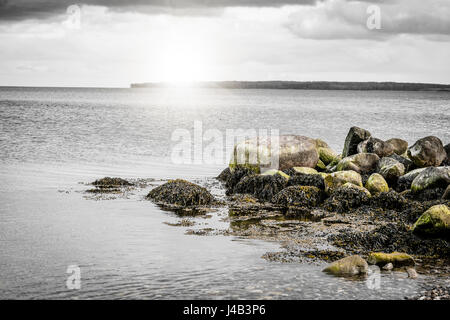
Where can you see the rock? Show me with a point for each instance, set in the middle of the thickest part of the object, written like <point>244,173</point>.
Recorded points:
<point>262,187</point>
<point>362,147</point>
<point>108,182</point>
<point>354,137</point>
<point>327,155</point>
<point>321,144</point>
<point>427,152</point>
<point>390,169</point>
<point>301,196</point>
<point>433,177</point>
<point>182,193</point>
<point>337,179</point>
<point>346,197</point>
<point>389,200</point>
<point>412,273</point>
<point>400,146</point>
<point>405,181</point>
<point>321,166</point>
<point>446,195</point>
<point>273,172</point>
<point>235,176</point>
<point>305,170</point>
<point>446,162</point>
<point>224,175</point>
<point>408,164</point>
<point>361,162</point>
<point>376,184</point>
<point>434,222</point>
<point>302,179</point>
<point>292,151</point>
<point>379,147</point>
<point>388,267</point>
<point>348,266</point>
<point>398,259</point>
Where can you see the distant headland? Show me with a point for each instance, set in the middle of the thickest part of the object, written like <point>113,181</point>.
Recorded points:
<point>304,85</point>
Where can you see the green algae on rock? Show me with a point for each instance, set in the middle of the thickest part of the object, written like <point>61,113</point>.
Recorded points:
<point>182,193</point>
<point>273,172</point>
<point>432,177</point>
<point>398,259</point>
<point>327,155</point>
<point>339,178</point>
<point>376,184</point>
<point>434,222</point>
<point>348,266</point>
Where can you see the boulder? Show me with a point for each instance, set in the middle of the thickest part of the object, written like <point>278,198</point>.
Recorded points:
<point>432,177</point>
<point>301,196</point>
<point>224,175</point>
<point>400,146</point>
<point>376,184</point>
<point>408,164</point>
<point>446,162</point>
<point>327,155</point>
<point>273,172</point>
<point>446,195</point>
<point>405,181</point>
<point>234,176</point>
<point>292,151</point>
<point>262,187</point>
<point>390,169</point>
<point>361,162</point>
<point>427,152</point>
<point>182,193</point>
<point>354,137</point>
<point>305,170</point>
<point>348,266</point>
<point>434,222</point>
<point>339,178</point>
<point>398,259</point>
<point>379,147</point>
<point>108,182</point>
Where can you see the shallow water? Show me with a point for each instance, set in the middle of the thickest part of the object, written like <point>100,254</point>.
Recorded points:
<point>53,139</point>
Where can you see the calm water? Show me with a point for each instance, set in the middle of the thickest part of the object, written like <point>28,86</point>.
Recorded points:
<point>53,139</point>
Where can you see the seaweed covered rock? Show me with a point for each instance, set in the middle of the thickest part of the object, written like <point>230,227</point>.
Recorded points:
<point>390,169</point>
<point>389,200</point>
<point>347,197</point>
<point>376,184</point>
<point>108,182</point>
<point>273,172</point>
<point>404,182</point>
<point>427,152</point>
<point>302,179</point>
<point>339,178</point>
<point>435,222</point>
<point>379,147</point>
<point>224,175</point>
<point>400,146</point>
<point>182,193</point>
<point>361,162</point>
<point>235,176</point>
<point>262,187</point>
<point>398,259</point>
<point>433,177</point>
<point>354,137</point>
<point>301,196</point>
<point>348,266</point>
<point>305,170</point>
<point>290,151</point>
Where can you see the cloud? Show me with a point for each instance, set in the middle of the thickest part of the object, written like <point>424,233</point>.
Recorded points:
<point>12,10</point>
<point>339,19</point>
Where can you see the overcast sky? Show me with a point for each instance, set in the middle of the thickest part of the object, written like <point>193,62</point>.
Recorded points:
<point>113,43</point>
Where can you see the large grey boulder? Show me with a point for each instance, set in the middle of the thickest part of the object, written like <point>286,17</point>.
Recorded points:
<point>432,177</point>
<point>427,152</point>
<point>361,163</point>
<point>405,181</point>
<point>379,147</point>
<point>400,146</point>
<point>354,137</point>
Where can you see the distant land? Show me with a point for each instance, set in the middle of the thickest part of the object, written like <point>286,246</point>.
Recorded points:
<point>304,85</point>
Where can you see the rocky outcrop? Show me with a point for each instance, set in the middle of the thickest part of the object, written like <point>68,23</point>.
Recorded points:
<point>348,266</point>
<point>376,184</point>
<point>182,193</point>
<point>427,152</point>
<point>434,222</point>
<point>379,147</point>
<point>354,137</point>
<point>361,162</point>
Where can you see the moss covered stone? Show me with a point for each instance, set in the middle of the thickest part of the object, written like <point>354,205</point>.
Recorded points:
<point>433,177</point>
<point>182,193</point>
<point>327,155</point>
<point>434,222</point>
<point>305,170</point>
<point>348,266</point>
<point>398,259</point>
<point>273,172</point>
<point>111,182</point>
<point>376,184</point>
<point>337,179</point>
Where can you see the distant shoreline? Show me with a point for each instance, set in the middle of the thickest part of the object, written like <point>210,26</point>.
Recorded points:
<point>303,85</point>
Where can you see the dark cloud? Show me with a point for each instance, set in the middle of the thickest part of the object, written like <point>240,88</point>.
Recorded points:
<point>11,10</point>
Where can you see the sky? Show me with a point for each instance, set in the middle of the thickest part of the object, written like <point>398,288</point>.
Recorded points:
<point>100,43</point>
